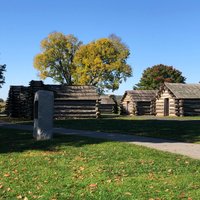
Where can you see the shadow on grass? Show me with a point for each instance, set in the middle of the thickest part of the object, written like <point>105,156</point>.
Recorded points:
<point>12,140</point>
<point>179,130</point>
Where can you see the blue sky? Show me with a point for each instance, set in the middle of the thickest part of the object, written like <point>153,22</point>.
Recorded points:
<point>156,31</point>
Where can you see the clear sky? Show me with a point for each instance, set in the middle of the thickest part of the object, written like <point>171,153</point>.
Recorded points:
<point>156,31</point>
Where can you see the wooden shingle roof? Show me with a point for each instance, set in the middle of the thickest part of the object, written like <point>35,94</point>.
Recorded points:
<point>75,92</point>
<point>184,91</point>
<point>141,95</point>
<point>107,99</point>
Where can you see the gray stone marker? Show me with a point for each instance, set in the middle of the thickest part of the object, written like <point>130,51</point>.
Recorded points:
<point>43,115</point>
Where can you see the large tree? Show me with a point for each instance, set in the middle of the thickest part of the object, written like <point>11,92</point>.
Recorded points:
<point>56,57</point>
<point>154,77</point>
<point>2,77</point>
<point>102,63</point>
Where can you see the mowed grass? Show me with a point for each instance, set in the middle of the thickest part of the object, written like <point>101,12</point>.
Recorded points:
<point>72,167</point>
<point>186,129</point>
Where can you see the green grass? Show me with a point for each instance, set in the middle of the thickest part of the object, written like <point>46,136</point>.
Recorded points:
<point>185,129</point>
<point>181,129</point>
<point>72,167</point>
<point>5,118</point>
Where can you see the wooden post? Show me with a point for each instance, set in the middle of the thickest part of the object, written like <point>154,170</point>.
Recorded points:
<point>181,107</point>
<point>153,107</point>
<point>136,109</point>
<point>177,107</point>
<point>98,114</point>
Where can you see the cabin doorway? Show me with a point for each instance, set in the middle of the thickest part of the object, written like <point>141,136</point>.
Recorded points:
<point>166,107</point>
<point>127,107</point>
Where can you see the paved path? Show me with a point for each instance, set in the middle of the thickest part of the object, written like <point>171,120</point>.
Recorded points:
<point>187,149</point>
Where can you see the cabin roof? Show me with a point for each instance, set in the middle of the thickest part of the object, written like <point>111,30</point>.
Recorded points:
<point>107,99</point>
<point>75,92</point>
<point>184,91</point>
<point>118,98</point>
<point>140,95</point>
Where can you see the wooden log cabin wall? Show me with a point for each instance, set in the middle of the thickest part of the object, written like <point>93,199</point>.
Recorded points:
<point>138,102</point>
<point>108,104</point>
<point>190,107</point>
<point>176,99</point>
<point>69,101</point>
<point>76,102</point>
<point>17,104</point>
<point>165,104</point>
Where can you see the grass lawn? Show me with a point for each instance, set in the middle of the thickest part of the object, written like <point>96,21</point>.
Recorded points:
<point>72,167</point>
<point>186,129</point>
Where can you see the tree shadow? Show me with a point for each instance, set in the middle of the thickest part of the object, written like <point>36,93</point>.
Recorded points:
<point>12,140</point>
<point>171,129</point>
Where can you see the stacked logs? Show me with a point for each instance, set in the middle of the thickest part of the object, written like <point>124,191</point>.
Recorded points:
<point>16,104</point>
<point>108,104</point>
<point>76,102</point>
<point>69,102</point>
<point>189,107</point>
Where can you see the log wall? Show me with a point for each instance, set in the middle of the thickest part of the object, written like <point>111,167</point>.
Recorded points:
<point>190,107</point>
<point>17,104</point>
<point>131,107</point>
<point>108,104</point>
<point>128,106</point>
<point>160,104</point>
<point>143,108</point>
<point>107,108</point>
<point>69,101</point>
<point>76,102</point>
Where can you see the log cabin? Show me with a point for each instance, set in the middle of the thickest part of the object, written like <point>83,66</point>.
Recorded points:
<point>138,102</point>
<point>69,101</point>
<point>178,99</point>
<point>108,104</point>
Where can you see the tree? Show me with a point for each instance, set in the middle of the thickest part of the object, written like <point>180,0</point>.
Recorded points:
<point>2,77</point>
<point>154,77</point>
<point>56,57</point>
<point>102,63</point>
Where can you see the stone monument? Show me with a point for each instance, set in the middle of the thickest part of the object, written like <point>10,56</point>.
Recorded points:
<point>43,115</point>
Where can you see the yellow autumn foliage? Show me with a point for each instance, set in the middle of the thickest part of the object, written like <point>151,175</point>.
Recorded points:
<point>56,57</point>
<point>102,63</point>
